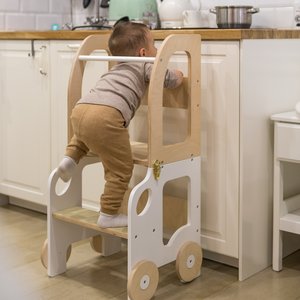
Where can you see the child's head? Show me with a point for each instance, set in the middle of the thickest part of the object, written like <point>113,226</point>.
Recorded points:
<point>131,39</point>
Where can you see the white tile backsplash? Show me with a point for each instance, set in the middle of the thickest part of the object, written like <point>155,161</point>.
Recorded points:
<point>33,14</point>
<point>44,22</point>
<point>60,6</point>
<point>1,20</point>
<point>20,22</point>
<point>272,14</point>
<point>34,6</point>
<point>80,13</point>
<point>41,14</point>
<point>9,5</point>
<point>259,3</point>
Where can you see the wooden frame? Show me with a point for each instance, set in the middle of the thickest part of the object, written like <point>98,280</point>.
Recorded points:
<point>186,96</point>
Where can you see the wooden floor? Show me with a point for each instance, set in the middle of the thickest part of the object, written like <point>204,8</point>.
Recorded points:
<point>90,276</point>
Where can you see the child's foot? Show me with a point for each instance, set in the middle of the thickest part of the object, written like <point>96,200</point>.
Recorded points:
<point>66,167</point>
<point>106,220</point>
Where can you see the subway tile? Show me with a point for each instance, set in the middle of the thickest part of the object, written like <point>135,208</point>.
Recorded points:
<point>284,17</point>
<point>9,5</point>
<point>261,19</point>
<point>37,6</point>
<point>79,19</point>
<point>19,22</point>
<point>60,7</point>
<point>44,22</point>
<point>2,26</point>
<point>66,21</point>
<point>40,14</point>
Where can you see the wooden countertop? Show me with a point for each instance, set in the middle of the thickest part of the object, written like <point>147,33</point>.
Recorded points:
<point>207,34</point>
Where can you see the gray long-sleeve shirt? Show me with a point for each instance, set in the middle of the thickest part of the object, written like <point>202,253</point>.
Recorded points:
<point>124,86</point>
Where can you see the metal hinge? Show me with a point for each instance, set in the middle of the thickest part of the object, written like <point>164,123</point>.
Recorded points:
<point>156,169</point>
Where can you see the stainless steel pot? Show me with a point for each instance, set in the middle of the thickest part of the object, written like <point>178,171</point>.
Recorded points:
<point>234,16</point>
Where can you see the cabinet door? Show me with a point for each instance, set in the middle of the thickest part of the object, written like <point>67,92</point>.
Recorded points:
<point>220,147</point>
<point>25,120</point>
<point>62,54</point>
<point>219,143</point>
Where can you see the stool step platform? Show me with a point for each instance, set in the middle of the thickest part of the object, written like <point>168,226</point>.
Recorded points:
<point>88,219</point>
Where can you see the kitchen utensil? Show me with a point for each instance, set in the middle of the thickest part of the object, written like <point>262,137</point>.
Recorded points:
<point>86,3</point>
<point>170,12</point>
<point>104,4</point>
<point>234,16</point>
<point>134,9</point>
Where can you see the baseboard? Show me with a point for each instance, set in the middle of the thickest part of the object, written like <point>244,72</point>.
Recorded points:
<point>4,199</point>
<point>27,204</point>
<point>227,260</point>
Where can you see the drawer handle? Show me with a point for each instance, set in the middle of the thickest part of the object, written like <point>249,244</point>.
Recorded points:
<point>43,63</point>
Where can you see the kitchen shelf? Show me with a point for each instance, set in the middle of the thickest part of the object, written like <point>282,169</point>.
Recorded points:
<point>286,212</point>
<point>291,222</point>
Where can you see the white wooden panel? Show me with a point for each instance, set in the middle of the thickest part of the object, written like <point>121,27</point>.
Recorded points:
<point>219,143</point>
<point>288,141</point>
<point>219,149</point>
<point>62,53</point>
<point>25,120</point>
<point>269,84</point>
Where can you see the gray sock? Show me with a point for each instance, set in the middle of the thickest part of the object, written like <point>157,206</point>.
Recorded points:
<point>66,168</point>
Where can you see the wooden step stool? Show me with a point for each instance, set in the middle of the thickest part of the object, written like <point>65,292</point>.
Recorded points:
<point>69,222</point>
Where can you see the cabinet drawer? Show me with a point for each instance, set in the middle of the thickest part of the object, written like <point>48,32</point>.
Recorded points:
<point>287,141</point>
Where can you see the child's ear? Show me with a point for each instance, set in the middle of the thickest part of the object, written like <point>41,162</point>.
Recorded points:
<point>142,52</point>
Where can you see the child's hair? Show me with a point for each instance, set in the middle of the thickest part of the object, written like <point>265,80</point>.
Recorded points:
<point>127,38</point>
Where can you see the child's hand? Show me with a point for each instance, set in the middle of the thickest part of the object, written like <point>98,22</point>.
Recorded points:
<point>179,78</point>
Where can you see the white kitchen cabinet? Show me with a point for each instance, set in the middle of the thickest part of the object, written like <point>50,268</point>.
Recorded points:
<point>219,143</point>
<point>269,84</point>
<point>61,56</point>
<point>25,120</point>
<point>219,134</point>
<point>33,111</point>
<point>220,147</point>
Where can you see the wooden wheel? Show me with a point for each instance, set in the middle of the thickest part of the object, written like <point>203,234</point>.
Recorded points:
<point>44,254</point>
<point>189,261</point>
<point>96,243</point>
<point>142,281</point>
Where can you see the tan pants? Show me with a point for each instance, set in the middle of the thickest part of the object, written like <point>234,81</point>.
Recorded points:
<point>100,129</point>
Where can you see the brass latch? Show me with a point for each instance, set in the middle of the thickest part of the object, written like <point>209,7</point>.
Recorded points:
<point>156,169</point>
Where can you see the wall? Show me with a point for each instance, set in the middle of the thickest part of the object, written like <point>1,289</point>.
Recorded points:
<point>41,14</point>
<point>259,3</point>
<point>272,14</point>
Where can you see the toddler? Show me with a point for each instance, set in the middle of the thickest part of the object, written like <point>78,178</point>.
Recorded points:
<point>100,118</point>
